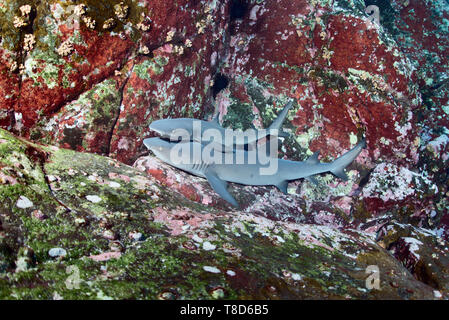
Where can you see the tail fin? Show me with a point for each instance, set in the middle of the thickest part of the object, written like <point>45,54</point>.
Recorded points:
<point>277,124</point>
<point>342,162</point>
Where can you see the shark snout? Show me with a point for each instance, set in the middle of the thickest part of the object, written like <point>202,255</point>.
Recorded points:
<point>158,127</point>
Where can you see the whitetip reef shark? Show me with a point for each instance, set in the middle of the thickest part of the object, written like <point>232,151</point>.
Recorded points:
<point>220,172</point>
<point>185,128</point>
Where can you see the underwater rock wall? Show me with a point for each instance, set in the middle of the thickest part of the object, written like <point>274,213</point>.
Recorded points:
<point>90,76</point>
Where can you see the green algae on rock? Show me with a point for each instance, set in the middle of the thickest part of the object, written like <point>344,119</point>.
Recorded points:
<point>92,206</point>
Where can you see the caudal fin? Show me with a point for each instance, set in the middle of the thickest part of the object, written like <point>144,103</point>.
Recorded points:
<point>342,162</point>
<point>277,124</point>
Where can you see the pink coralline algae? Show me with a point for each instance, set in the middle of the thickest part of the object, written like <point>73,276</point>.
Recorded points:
<point>105,256</point>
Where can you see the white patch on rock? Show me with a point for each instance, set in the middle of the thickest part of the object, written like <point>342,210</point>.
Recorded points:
<point>24,202</point>
<point>211,269</point>
<point>57,252</point>
<point>94,199</point>
<point>230,273</point>
<point>296,276</point>
<point>197,239</point>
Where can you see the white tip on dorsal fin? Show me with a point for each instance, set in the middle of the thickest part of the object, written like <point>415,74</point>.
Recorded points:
<point>312,180</point>
<point>314,158</point>
<point>220,187</point>
<point>215,118</point>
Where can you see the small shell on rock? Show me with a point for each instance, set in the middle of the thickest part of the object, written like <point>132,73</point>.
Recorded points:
<point>57,252</point>
<point>208,246</point>
<point>135,236</point>
<point>218,293</point>
<point>166,295</point>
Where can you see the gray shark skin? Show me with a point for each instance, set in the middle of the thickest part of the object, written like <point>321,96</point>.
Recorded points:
<point>219,173</point>
<point>169,128</point>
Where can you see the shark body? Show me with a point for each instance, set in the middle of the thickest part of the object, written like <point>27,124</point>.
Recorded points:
<point>218,173</point>
<point>184,128</point>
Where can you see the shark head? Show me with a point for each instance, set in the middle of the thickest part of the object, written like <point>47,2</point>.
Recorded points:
<point>161,148</point>
<point>173,129</point>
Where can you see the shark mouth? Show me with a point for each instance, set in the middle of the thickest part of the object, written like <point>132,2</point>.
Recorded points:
<point>157,134</point>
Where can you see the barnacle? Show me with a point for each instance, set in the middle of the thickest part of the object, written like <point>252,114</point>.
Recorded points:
<point>121,10</point>
<point>24,19</point>
<point>178,50</point>
<point>201,25</point>
<point>144,50</point>
<point>323,35</point>
<point>170,35</point>
<point>90,23</point>
<point>21,69</point>
<point>25,9</point>
<point>327,54</point>
<point>19,22</point>
<point>65,48</point>
<point>29,42</point>
<point>142,27</point>
<point>109,24</point>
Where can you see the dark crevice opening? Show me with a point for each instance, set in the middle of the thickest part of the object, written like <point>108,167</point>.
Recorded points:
<point>238,9</point>
<point>220,82</point>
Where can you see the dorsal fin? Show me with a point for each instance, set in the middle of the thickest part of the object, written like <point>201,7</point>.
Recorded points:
<point>340,173</point>
<point>277,124</point>
<point>215,118</point>
<point>312,180</point>
<point>314,158</point>
<point>283,134</point>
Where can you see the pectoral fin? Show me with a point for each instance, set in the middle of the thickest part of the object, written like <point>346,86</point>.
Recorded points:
<point>312,180</point>
<point>283,186</point>
<point>339,172</point>
<point>220,187</point>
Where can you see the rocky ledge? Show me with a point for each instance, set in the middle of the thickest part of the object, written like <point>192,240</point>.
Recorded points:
<point>87,212</point>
